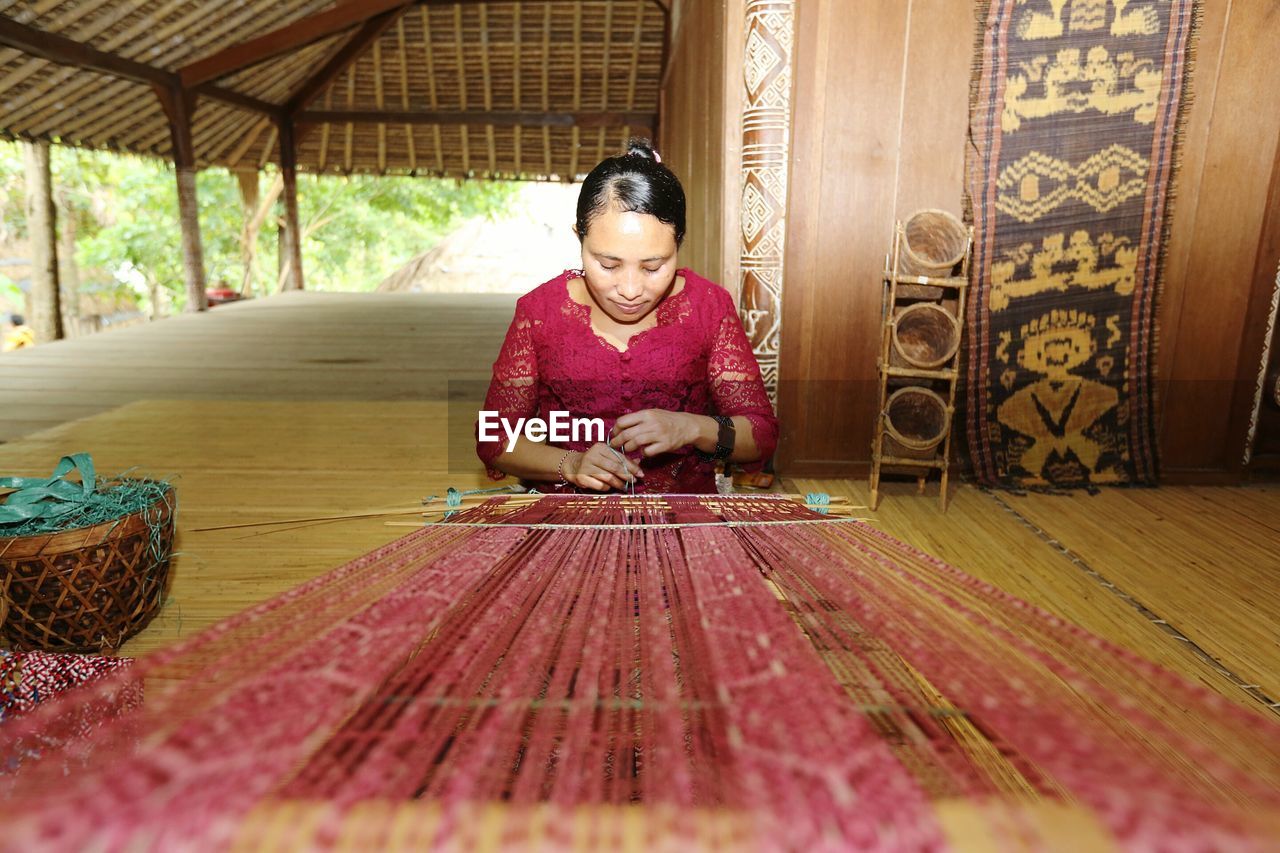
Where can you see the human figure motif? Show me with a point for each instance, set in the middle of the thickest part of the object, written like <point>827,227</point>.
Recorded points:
<point>1055,411</point>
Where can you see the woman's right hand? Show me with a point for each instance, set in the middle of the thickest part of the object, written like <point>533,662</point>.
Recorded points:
<point>599,469</point>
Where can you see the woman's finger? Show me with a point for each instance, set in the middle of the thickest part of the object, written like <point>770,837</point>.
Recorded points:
<point>606,475</point>
<point>589,482</point>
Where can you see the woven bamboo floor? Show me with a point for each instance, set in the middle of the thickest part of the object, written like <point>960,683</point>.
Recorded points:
<point>295,346</point>
<point>318,405</point>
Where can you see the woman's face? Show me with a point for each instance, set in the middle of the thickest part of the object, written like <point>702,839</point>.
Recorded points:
<point>629,262</point>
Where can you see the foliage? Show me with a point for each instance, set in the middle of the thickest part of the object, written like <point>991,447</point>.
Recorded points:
<point>356,230</point>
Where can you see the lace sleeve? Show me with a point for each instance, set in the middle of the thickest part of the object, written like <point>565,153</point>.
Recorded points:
<point>513,390</point>
<point>736,385</point>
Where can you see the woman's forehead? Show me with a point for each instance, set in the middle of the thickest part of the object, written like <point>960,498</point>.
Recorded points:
<point>615,227</point>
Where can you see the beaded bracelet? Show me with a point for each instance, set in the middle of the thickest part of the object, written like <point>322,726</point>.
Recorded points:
<point>560,468</point>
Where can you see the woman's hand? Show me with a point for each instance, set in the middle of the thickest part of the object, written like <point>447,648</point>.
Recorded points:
<point>599,469</point>
<point>655,431</point>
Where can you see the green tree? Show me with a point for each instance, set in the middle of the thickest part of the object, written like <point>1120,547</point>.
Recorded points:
<point>356,230</point>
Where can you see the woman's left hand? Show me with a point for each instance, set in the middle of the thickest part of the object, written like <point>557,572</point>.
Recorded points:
<point>654,431</point>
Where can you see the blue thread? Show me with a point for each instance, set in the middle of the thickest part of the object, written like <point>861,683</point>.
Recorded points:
<point>818,501</point>
<point>453,497</point>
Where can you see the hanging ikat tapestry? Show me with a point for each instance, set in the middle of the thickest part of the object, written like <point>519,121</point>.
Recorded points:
<point>1073,126</point>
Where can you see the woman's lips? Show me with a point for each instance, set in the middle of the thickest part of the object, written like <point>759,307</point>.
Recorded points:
<point>629,309</point>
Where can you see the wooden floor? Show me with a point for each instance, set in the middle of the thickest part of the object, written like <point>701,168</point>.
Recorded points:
<point>314,405</point>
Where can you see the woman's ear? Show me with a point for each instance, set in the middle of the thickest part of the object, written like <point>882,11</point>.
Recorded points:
<point>576,232</point>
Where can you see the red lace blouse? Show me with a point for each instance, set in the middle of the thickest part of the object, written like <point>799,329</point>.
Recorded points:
<point>695,359</point>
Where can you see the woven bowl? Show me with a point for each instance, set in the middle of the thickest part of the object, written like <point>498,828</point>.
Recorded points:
<point>87,589</point>
<point>933,242</point>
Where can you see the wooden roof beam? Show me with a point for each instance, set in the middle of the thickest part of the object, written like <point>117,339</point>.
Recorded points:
<point>290,37</point>
<point>64,51</point>
<point>340,61</point>
<point>479,118</point>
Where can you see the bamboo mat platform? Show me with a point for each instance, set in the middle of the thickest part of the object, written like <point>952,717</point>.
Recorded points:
<point>294,346</point>
<point>1187,576</point>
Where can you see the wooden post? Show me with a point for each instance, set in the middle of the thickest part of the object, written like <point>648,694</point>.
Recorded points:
<point>68,272</point>
<point>179,105</point>
<point>46,299</point>
<point>292,245</point>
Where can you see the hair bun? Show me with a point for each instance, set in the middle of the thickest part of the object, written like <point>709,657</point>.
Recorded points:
<point>640,147</point>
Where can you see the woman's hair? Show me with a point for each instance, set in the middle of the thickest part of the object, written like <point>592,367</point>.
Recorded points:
<point>635,182</point>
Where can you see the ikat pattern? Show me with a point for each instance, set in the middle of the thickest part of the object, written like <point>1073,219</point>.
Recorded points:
<point>1073,130</point>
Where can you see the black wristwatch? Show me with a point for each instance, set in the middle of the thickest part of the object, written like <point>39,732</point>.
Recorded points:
<point>724,441</point>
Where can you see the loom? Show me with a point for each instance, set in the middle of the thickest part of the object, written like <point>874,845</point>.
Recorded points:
<point>649,672</point>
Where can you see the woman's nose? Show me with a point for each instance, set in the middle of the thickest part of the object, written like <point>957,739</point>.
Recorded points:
<point>630,288</point>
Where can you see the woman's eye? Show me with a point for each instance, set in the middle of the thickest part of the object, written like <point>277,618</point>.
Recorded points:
<point>614,267</point>
<point>651,272</point>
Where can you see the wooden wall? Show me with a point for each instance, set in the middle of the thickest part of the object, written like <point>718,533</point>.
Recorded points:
<point>700,136</point>
<point>880,110</point>
<point>881,107</point>
<point>1223,252</point>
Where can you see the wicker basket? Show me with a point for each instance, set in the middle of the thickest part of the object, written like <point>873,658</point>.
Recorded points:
<point>933,242</point>
<point>88,589</point>
<point>916,420</point>
<point>925,335</point>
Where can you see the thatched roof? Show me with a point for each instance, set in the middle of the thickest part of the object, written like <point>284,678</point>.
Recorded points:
<point>473,88</point>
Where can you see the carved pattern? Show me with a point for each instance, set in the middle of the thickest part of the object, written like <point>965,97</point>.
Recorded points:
<point>767,64</point>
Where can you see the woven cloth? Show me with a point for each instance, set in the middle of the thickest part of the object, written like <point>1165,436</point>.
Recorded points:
<point>659,672</point>
<point>29,678</point>
<point>1073,128</point>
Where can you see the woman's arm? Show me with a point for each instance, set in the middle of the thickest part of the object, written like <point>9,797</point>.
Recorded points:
<point>737,389</point>
<point>659,431</point>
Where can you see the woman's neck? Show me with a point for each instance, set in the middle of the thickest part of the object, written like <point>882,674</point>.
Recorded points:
<point>614,331</point>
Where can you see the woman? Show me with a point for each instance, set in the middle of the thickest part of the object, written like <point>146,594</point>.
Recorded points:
<point>654,351</point>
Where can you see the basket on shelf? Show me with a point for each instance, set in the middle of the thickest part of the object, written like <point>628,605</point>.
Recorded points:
<point>84,565</point>
<point>933,243</point>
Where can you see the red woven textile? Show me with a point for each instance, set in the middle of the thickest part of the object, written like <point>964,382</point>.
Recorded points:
<point>29,678</point>
<point>808,683</point>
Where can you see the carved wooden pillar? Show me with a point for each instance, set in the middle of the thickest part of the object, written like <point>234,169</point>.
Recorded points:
<point>769,35</point>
